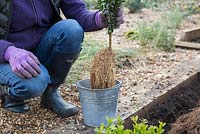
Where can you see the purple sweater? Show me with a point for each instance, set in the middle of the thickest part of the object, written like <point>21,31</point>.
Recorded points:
<point>32,18</point>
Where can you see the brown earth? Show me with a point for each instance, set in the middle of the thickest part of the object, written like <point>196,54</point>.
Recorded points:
<point>145,77</point>
<point>188,123</point>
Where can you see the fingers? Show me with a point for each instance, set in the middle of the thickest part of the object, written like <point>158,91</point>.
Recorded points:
<point>26,67</point>
<point>24,63</point>
<point>29,68</point>
<point>34,58</point>
<point>16,72</point>
<point>33,65</point>
<point>120,12</point>
<point>21,72</point>
<point>120,18</point>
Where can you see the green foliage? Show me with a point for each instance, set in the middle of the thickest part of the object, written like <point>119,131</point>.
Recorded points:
<point>165,38</point>
<point>110,9</point>
<point>133,5</point>
<point>144,34</point>
<point>112,128</point>
<point>139,127</point>
<point>161,33</point>
<point>144,128</point>
<point>173,17</point>
<point>192,7</point>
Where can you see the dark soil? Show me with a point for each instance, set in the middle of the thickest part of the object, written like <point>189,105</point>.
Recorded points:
<point>188,123</point>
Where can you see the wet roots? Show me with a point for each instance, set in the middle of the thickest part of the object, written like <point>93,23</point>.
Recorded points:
<point>102,74</point>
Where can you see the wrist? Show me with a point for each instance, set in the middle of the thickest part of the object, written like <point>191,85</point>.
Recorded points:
<point>8,52</point>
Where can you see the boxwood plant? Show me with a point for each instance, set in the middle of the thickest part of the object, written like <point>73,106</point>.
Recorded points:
<point>139,127</point>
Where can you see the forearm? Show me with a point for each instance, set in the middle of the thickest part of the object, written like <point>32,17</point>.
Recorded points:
<point>3,46</point>
<point>76,9</point>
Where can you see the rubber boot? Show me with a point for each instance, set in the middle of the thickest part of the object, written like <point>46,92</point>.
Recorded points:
<point>11,104</point>
<point>51,99</point>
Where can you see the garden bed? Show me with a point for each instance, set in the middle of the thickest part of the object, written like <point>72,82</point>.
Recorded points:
<point>174,104</point>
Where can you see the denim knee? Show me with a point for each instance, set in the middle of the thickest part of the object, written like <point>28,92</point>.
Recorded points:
<point>30,88</point>
<point>70,37</point>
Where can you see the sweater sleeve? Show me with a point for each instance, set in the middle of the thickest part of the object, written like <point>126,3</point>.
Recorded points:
<point>76,9</point>
<point>3,46</point>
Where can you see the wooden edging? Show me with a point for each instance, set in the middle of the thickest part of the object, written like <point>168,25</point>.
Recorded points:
<point>190,34</point>
<point>190,45</point>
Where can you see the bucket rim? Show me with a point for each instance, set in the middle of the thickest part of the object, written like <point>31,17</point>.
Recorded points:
<point>118,84</point>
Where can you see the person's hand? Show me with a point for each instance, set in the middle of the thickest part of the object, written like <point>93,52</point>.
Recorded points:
<point>23,63</point>
<point>100,19</point>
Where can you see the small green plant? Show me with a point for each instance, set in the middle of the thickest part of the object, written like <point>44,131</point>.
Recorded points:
<point>144,128</point>
<point>110,9</point>
<point>102,73</point>
<point>165,38</point>
<point>139,127</point>
<point>133,5</point>
<point>144,33</point>
<point>172,18</point>
<point>112,128</point>
<point>160,33</point>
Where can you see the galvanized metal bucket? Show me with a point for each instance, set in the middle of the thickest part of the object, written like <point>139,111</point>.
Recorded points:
<point>97,104</point>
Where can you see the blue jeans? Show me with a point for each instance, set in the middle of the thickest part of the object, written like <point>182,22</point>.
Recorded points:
<point>65,37</point>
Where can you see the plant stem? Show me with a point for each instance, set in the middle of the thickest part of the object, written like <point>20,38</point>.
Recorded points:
<point>110,41</point>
